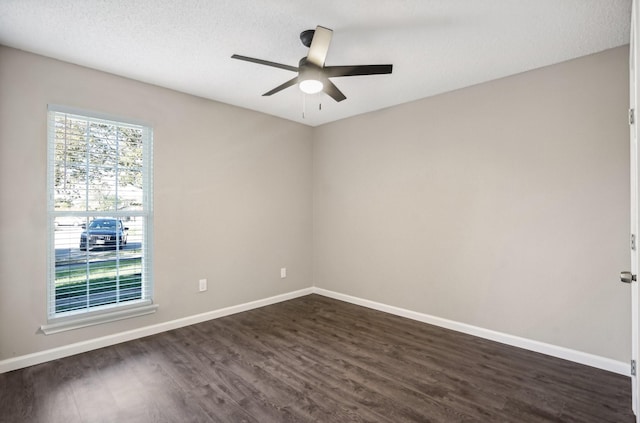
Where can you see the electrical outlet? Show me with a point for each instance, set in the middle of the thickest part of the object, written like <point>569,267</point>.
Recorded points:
<point>283,272</point>
<point>203,285</point>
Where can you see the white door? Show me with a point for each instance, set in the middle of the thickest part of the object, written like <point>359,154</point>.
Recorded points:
<point>633,89</point>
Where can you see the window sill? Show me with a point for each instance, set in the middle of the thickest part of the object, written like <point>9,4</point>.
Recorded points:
<point>82,321</point>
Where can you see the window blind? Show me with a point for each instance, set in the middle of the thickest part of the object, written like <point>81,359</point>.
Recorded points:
<point>99,212</point>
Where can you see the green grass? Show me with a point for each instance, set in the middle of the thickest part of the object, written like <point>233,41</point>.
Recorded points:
<point>100,270</point>
<point>100,285</point>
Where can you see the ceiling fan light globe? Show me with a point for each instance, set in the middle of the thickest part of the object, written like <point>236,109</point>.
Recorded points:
<point>311,86</point>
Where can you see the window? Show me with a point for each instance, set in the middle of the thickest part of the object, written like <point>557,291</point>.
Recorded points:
<point>100,216</point>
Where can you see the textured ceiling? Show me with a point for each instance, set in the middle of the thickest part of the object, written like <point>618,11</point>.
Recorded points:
<point>434,45</point>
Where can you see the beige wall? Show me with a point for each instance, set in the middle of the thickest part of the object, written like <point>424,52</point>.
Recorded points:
<point>232,197</point>
<point>504,205</point>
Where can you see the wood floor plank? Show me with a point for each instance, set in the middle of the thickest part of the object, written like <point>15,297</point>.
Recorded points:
<point>313,359</point>
<point>273,382</point>
<point>53,398</point>
<point>17,396</point>
<point>318,379</point>
<point>366,385</point>
<point>420,379</point>
<point>234,395</point>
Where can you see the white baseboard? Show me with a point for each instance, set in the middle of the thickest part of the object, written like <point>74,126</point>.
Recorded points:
<point>516,341</point>
<point>92,344</point>
<point>105,341</point>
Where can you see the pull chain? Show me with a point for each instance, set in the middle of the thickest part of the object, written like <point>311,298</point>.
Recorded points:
<point>304,105</point>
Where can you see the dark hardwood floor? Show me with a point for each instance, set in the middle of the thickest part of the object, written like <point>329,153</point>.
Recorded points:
<point>313,359</point>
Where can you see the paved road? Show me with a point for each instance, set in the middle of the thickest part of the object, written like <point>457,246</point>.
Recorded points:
<point>67,242</point>
<point>68,256</point>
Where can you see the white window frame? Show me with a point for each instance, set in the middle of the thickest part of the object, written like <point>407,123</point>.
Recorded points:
<point>92,315</point>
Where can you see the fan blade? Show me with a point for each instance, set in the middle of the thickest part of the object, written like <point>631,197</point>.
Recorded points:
<point>332,91</point>
<point>265,62</point>
<point>281,87</point>
<point>335,71</point>
<point>319,46</point>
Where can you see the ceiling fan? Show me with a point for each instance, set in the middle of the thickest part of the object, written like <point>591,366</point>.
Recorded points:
<point>313,76</point>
